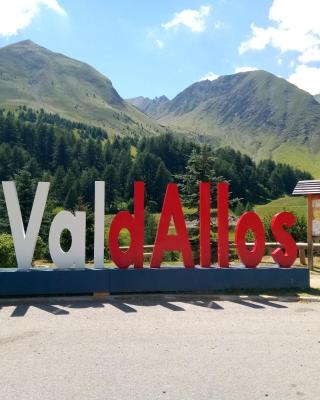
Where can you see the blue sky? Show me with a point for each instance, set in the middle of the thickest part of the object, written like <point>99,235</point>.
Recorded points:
<point>152,48</point>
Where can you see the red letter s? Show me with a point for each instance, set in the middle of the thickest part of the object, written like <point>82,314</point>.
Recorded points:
<point>287,257</point>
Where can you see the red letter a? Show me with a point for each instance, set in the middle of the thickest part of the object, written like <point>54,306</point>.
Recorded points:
<point>135,225</point>
<point>164,242</point>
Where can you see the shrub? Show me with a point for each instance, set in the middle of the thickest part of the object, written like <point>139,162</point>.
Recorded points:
<point>7,253</point>
<point>298,231</point>
<point>150,227</point>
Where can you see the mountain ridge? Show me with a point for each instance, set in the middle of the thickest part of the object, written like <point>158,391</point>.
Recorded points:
<point>33,75</point>
<point>149,106</point>
<point>255,112</point>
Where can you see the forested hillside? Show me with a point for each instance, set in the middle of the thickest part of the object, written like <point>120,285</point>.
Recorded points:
<point>37,146</point>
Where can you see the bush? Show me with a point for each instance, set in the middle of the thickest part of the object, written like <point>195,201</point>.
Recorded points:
<point>171,256</point>
<point>195,247</point>
<point>41,250</point>
<point>298,231</point>
<point>150,227</point>
<point>7,253</point>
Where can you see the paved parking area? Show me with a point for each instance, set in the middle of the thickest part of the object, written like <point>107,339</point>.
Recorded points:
<point>160,347</point>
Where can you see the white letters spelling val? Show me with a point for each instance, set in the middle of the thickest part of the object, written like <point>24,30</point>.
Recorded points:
<point>76,225</point>
<point>25,242</point>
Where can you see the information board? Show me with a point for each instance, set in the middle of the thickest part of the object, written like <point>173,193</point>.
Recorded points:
<point>316,215</point>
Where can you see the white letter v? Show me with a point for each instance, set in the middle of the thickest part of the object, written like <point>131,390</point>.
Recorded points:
<point>25,242</point>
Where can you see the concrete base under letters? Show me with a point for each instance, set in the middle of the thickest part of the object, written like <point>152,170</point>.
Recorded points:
<point>50,281</point>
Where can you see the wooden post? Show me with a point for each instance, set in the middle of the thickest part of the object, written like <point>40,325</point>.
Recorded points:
<point>309,233</point>
<point>100,296</point>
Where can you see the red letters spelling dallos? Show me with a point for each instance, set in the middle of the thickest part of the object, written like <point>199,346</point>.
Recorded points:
<point>284,255</point>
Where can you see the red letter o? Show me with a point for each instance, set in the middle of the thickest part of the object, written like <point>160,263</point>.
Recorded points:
<point>247,221</point>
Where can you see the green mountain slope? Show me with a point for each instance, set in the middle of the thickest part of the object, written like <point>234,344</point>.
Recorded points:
<point>39,78</point>
<point>254,112</point>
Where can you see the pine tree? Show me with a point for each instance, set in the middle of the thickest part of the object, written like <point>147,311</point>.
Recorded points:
<point>200,168</point>
<point>26,188</point>
<point>124,170</point>
<point>61,153</point>
<point>56,185</point>
<point>111,180</point>
<point>71,198</point>
<point>161,180</point>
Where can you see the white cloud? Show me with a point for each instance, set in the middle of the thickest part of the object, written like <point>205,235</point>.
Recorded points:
<point>259,40</point>
<point>159,43</point>
<point>18,14</point>
<point>312,54</point>
<point>295,27</point>
<point>195,20</point>
<point>210,76</point>
<point>245,69</point>
<point>306,78</point>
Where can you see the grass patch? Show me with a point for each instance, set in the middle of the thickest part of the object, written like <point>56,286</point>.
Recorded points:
<point>299,156</point>
<point>297,204</point>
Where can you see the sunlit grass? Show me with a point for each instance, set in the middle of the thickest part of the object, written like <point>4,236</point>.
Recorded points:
<point>296,204</point>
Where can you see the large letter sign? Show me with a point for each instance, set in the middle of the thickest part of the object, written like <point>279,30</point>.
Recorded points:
<point>205,231</point>
<point>99,209</point>
<point>223,224</point>
<point>166,242</point>
<point>287,257</point>
<point>76,225</point>
<point>134,224</point>
<point>250,221</point>
<point>25,240</point>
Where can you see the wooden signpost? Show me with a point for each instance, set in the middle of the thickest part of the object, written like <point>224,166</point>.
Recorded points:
<point>311,189</point>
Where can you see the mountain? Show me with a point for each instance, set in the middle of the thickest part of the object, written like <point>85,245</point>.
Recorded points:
<point>317,97</point>
<point>39,78</point>
<point>255,112</point>
<point>151,107</point>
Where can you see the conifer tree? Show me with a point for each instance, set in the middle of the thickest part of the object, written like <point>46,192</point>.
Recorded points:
<point>60,153</point>
<point>200,168</point>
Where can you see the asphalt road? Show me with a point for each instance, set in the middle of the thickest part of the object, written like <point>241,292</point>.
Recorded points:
<point>160,348</point>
